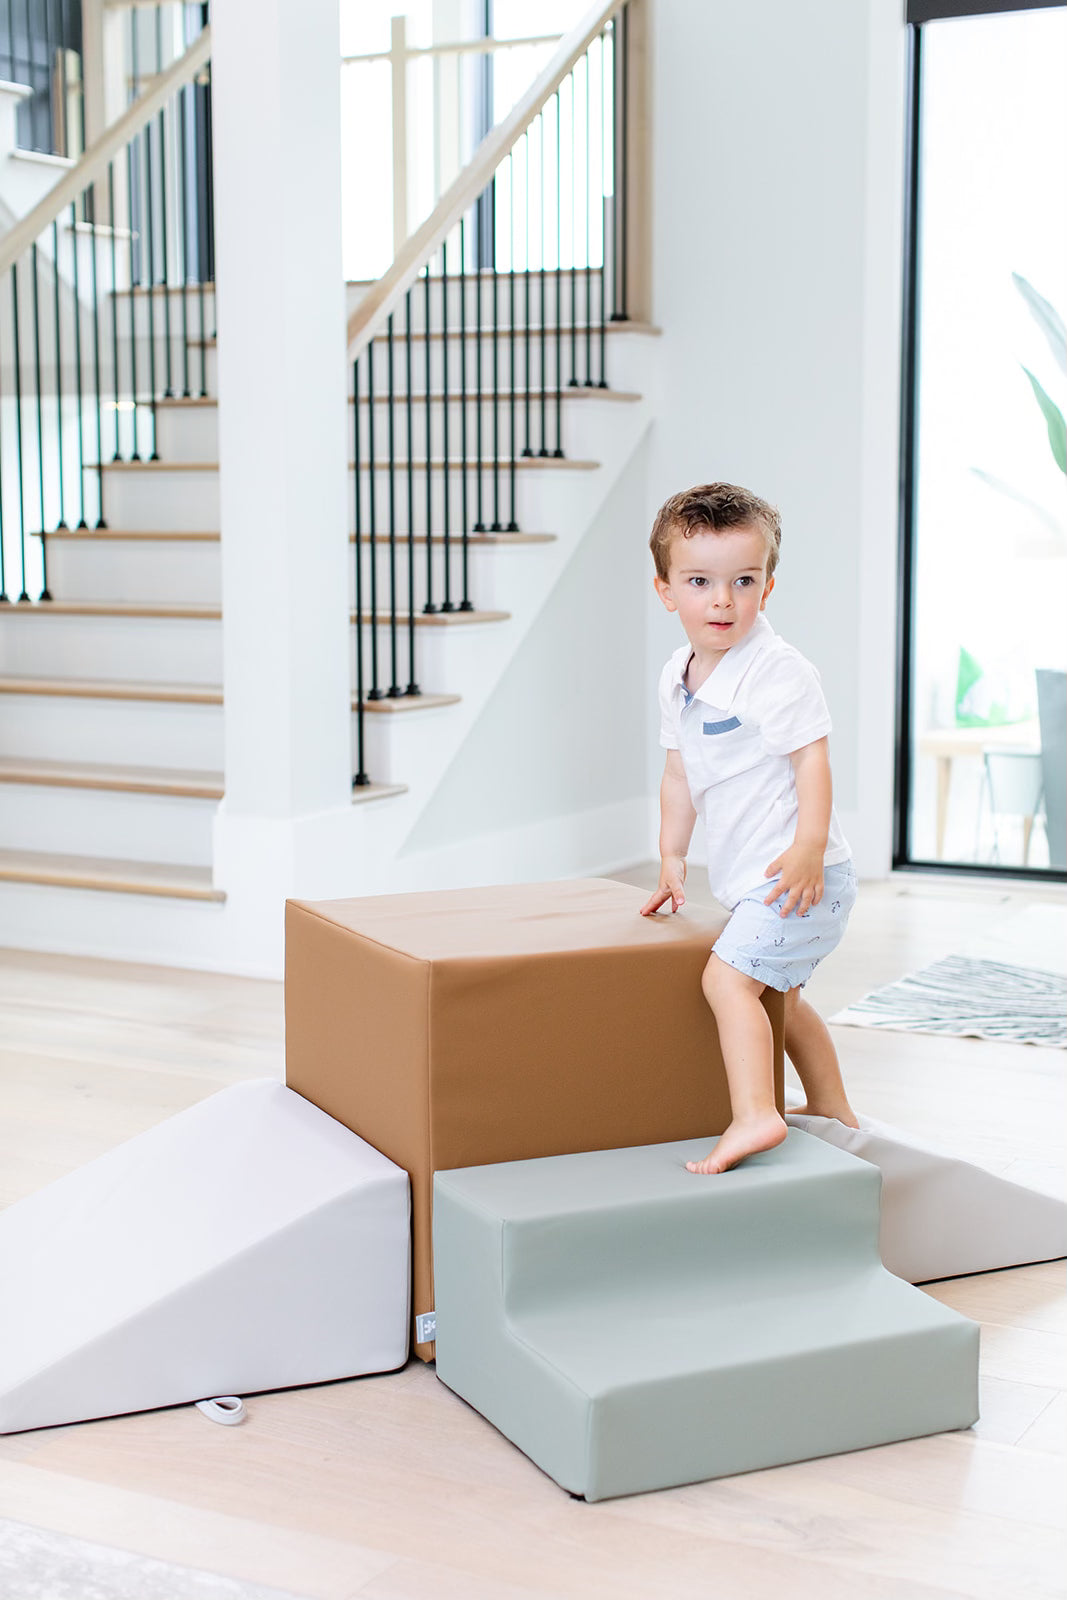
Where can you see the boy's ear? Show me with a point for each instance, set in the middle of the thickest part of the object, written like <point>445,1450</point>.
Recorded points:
<point>766,593</point>
<point>663,589</point>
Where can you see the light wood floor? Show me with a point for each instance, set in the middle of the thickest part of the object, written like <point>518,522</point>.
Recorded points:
<point>392,1488</point>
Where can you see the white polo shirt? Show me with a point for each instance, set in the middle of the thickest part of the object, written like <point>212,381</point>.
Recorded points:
<point>735,735</point>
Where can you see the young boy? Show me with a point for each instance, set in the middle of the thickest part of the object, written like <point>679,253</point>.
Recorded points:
<point>745,727</point>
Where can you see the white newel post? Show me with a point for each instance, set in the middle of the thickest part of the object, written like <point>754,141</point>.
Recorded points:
<point>283,459</point>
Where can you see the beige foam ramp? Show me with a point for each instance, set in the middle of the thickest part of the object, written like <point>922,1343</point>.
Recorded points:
<point>943,1217</point>
<point>248,1243</point>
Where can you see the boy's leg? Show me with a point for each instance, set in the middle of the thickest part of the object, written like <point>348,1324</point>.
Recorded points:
<point>748,1052</point>
<point>811,1050</point>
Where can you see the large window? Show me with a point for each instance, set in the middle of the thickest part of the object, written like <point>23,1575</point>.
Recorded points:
<point>984,657</point>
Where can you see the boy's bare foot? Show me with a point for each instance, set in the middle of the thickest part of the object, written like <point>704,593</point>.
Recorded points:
<point>742,1138</point>
<point>839,1111</point>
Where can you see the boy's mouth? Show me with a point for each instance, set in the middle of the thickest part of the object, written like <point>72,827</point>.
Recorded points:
<point>720,624</point>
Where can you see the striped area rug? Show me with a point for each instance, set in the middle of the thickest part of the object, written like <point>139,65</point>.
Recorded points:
<point>962,995</point>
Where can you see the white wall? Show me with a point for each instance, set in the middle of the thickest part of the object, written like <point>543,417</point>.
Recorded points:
<point>563,732</point>
<point>778,167</point>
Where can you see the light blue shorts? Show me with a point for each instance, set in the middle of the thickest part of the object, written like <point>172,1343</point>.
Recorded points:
<point>784,951</point>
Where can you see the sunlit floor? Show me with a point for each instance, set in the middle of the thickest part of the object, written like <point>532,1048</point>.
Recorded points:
<point>391,1487</point>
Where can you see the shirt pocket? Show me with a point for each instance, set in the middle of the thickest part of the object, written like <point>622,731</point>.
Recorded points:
<point>725,748</point>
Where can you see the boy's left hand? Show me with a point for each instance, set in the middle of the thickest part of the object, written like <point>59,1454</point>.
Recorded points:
<point>801,879</point>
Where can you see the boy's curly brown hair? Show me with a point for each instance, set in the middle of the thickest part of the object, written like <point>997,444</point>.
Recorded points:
<point>714,507</point>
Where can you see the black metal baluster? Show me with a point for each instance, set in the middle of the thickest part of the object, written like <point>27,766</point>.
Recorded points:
<point>3,565</point>
<point>163,187</point>
<point>603,338</point>
<point>77,367</point>
<point>494,277</point>
<point>479,526</point>
<point>360,779</point>
<point>465,603</point>
<point>446,603</point>
<point>527,448</point>
<point>588,215</point>
<point>24,595</point>
<point>374,692</point>
<point>394,681</point>
<point>203,218</point>
<point>513,526</point>
<point>37,380</point>
<point>62,523</point>
<point>620,166</point>
<point>558,397</point>
<point>100,523</point>
<point>544,288</point>
<point>572,382</point>
<point>429,607</point>
<point>135,455</point>
<point>150,257</point>
<point>183,135</point>
<point>409,339</point>
<point>114,303</point>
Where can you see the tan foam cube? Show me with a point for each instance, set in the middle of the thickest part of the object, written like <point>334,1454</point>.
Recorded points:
<point>456,1028</point>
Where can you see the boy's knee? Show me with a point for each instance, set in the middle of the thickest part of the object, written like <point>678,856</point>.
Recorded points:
<point>722,983</point>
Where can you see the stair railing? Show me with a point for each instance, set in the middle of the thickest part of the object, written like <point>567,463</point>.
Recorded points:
<point>462,353</point>
<point>103,314</point>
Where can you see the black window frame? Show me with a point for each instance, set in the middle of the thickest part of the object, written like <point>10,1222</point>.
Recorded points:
<point>919,12</point>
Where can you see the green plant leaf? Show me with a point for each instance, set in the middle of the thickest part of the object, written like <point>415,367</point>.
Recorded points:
<point>1047,318</point>
<point>1057,428</point>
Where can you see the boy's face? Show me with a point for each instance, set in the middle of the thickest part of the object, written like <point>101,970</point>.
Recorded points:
<point>718,585</point>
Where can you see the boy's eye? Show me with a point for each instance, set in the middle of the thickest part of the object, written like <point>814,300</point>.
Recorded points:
<point>744,581</point>
<point>698,582</point>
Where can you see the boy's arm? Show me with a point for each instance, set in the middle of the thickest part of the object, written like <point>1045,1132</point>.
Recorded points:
<point>677,820</point>
<point>801,866</point>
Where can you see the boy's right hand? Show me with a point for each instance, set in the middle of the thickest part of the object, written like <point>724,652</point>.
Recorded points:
<point>671,886</point>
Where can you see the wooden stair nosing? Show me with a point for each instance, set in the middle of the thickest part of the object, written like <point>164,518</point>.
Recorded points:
<point>650,329</point>
<point>363,792</point>
<point>489,540</point>
<point>109,689</point>
<point>568,392</point>
<point>521,464</point>
<point>154,878</point>
<point>103,535</point>
<point>125,780</point>
<point>431,619</point>
<point>398,704</point>
<point>188,611</point>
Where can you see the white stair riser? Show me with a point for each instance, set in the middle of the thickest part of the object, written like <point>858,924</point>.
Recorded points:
<point>114,732</point>
<point>568,361</point>
<point>93,822</point>
<point>131,649</point>
<point>187,433</point>
<point>162,569</point>
<point>157,499</point>
<point>189,571</point>
<point>542,498</point>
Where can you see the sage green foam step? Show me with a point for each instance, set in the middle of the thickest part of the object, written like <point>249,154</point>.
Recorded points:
<point>630,1325</point>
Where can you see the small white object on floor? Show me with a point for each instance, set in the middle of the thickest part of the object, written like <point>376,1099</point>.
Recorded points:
<point>227,1409</point>
<point>943,1217</point>
<point>248,1243</point>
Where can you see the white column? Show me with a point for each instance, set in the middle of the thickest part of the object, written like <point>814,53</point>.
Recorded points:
<point>283,431</point>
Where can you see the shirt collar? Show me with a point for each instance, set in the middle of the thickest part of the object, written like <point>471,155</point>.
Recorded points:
<point>719,689</point>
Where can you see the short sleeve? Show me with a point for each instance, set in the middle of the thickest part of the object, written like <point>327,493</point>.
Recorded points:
<point>668,731</point>
<point>786,702</point>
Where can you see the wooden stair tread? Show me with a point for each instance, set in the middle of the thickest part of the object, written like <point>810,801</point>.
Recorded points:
<point>568,392</point>
<point>456,539</point>
<point>108,689</point>
<point>115,608</point>
<point>522,464</point>
<point>363,792</point>
<point>97,872</point>
<point>103,535</point>
<point>434,619</point>
<point>97,775</point>
<point>407,702</point>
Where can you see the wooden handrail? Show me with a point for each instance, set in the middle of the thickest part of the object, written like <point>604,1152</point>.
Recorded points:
<point>390,289</point>
<point>94,163</point>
